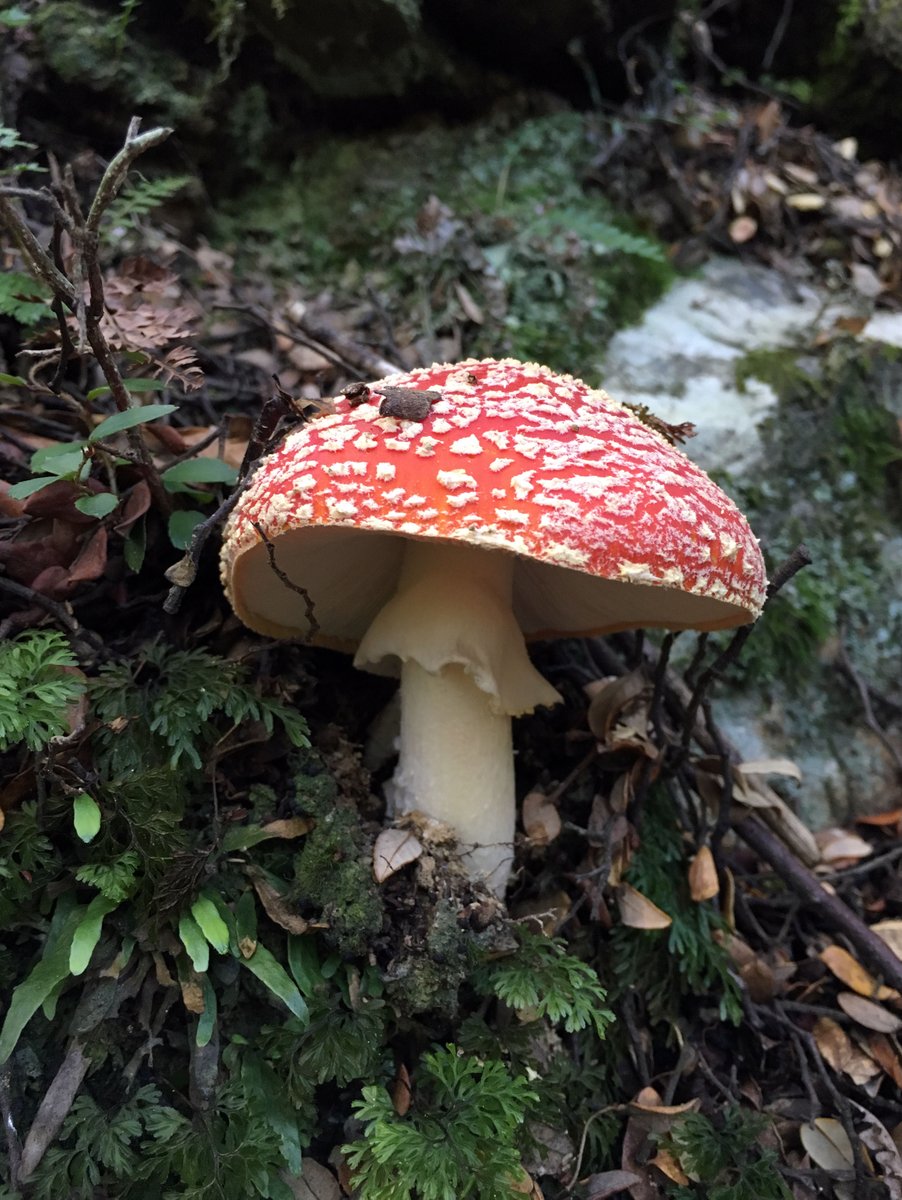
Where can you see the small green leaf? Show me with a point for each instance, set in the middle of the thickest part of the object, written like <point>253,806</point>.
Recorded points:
<point>182,524</point>
<point>303,962</point>
<point>206,1022</point>
<point>131,385</point>
<point>13,380</point>
<point>14,17</point>
<point>65,458</point>
<point>135,546</point>
<point>130,418</point>
<point>31,993</point>
<point>246,924</point>
<point>87,933</point>
<point>211,924</point>
<point>242,837</point>
<point>274,976</point>
<point>86,816</point>
<point>198,470</point>
<point>97,506</point>
<point>195,943</point>
<point>20,491</point>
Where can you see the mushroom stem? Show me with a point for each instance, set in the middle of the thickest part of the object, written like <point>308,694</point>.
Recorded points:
<point>456,763</point>
<point>464,673</point>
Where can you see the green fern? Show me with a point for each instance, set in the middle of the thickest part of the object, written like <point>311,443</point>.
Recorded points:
<point>36,689</point>
<point>686,958</point>
<point>727,1160</point>
<point>169,700</point>
<point>543,979</point>
<point>139,198</point>
<point>603,237</point>
<point>458,1140</point>
<point>114,880</point>
<point>24,299</point>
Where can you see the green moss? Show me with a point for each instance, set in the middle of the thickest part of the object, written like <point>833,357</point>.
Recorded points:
<point>333,871</point>
<point>831,483</point>
<point>85,46</point>
<point>429,981</point>
<point>552,268</point>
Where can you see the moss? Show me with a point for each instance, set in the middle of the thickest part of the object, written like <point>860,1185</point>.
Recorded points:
<point>85,46</point>
<point>333,871</point>
<point>428,981</point>
<point>831,481</point>
<point>552,267</point>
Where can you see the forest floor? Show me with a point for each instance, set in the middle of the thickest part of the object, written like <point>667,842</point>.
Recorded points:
<point>687,994</point>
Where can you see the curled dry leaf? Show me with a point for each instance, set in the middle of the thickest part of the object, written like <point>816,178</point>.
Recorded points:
<point>882,1051</point>
<point>400,1092</point>
<point>771,766</point>
<point>610,1183</point>
<point>276,906</point>
<point>394,849</point>
<point>648,1100</point>
<point>541,820</point>
<point>638,912</point>
<point>290,827</point>
<point>193,995</point>
<point>611,701</point>
<point>838,845</point>
<point>828,1144</point>
<point>891,933</point>
<point>867,1013</point>
<point>669,1165</point>
<point>850,972</point>
<point>840,1052</point>
<point>703,884</point>
<point>885,1151</point>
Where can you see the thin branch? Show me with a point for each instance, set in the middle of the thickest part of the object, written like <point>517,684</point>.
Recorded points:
<point>115,174</point>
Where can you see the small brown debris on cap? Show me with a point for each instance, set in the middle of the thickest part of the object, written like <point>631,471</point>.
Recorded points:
<point>356,393</point>
<point>407,404</point>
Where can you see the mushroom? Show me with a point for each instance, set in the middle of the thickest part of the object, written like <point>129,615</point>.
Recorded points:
<point>522,505</point>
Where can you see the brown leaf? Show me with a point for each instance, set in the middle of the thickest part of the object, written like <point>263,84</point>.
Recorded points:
<point>315,1182</point>
<point>541,820</point>
<point>136,504</point>
<point>841,1053</point>
<point>471,309</point>
<point>638,912</point>
<point>613,699</point>
<point>882,1051</point>
<point>290,827</point>
<point>771,766</point>
<point>192,994</point>
<point>394,849</point>
<point>837,845</point>
<point>669,1165</point>
<point>760,980</point>
<point>703,882</point>
<point>400,1092</point>
<point>609,1183</point>
<point>278,909</point>
<point>850,971</point>
<point>867,1013</point>
<point>828,1144</point>
<point>891,933</point>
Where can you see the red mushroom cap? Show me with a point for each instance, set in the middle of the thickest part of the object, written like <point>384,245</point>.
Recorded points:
<point>613,527</point>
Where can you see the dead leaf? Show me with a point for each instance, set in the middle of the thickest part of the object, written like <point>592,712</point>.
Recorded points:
<point>806,201</point>
<point>771,766</point>
<point>638,912</point>
<point>315,1182</point>
<point>277,907</point>
<point>394,849</point>
<point>837,845</point>
<point>891,933</point>
<point>192,994</point>
<point>400,1092</point>
<point>669,1165</point>
<point>703,883</point>
<point>869,1014</point>
<point>881,1050</point>
<point>471,309</point>
<point>648,1100</point>
<point>865,280</point>
<point>850,972</point>
<point>828,1144</point>
<point>893,817</point>
<point>741,230</point>
<point>886,1154</point>
<point>290,827</point>
<point>541,820</point>
<point>612,700</point>
<point>610,1183</point>
<point>839,1051</point>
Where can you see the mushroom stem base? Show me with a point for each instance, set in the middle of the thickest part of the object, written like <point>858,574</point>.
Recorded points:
<point>436,776</point>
